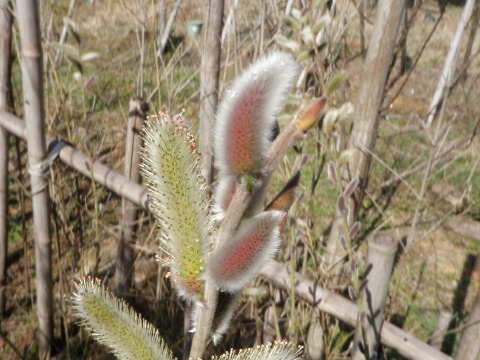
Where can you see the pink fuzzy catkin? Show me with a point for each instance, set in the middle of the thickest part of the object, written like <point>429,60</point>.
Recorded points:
<point>240,259</point>
<point>247,112</point>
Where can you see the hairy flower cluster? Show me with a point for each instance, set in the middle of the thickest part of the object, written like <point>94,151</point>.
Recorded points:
<point>114,324</point>
<point>247,113</point>
<point>177,191</point>
<point>237,261</point>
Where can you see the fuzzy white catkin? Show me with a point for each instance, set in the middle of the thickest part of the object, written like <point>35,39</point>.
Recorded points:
<point>114,324</point>
<point>171,170</point>
<point>247,112</point>
<point>240,259</point>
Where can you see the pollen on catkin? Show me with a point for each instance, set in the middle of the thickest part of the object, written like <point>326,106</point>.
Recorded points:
<point>114,324</point>
<point>171,171</point>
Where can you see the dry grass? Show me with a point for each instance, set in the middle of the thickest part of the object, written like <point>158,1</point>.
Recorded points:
<point>433,274</point>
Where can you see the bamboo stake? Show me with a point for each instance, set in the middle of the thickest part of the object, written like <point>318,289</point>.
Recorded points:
<point>449,68</point>
<point>367,107</point>
<point>125,254</point>
<point>102,174</point>
<point>209,74</point>
<point>443,322</point>
<point>5,96</point>
<point>346,311</point>
<point>32,78</point>
<point>381,254</point>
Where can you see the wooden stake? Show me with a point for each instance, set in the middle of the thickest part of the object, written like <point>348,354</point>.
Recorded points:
<point>125,255</point>
<point>102,174</point>
<point>209,74</point>
<point>346,311</point>
<point>443,322</point>
<point>5,103</point>
<point>28,18</point>
<point>448,72</point>
<point>368,103</point>
<point>381,253</point>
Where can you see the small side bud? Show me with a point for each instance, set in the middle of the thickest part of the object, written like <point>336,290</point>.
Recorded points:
<point>353,266</point>
<point>341,204</point>
<point>309,117</point>
<point>350,188</point>
<point>352,293</point>
<point>354,230</point>
<point>329,121</point>
<point>363,317</point>
<point>343,242</point>
<point>332,172</point>
<point>362,285</point>
<point>345,111</point>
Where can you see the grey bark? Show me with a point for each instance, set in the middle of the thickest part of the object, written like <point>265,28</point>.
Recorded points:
<point>28,18</point>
